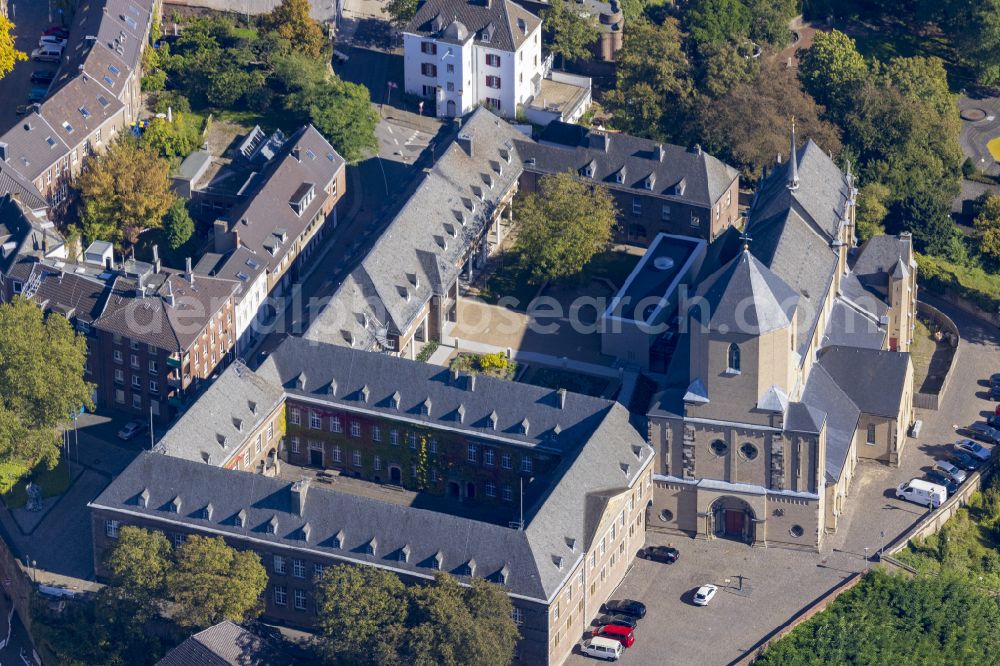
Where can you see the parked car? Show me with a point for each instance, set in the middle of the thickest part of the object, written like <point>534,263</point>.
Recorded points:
<point>937,477</point>
<point>995,392</point>
<point>660,554</point>
<point>984,433</point>
<point>51,39</point>
<point>974,449</point>
<point>38,93</point>
<point>624,635</point>
<point>704,594</point>
<point>625,607</point>
<point>599,647</point>
<point>131,429</point>
<point>963,460</point>
<point>623,620</point>
<point>951,471</point>
<point>57,30</point>
<point>922,492</point>
<point>43,76</point>
<point>995,379</point>
<point>25,109</point>
<point>996,412</point>
<point>994,421</point>
<point>47,53</point>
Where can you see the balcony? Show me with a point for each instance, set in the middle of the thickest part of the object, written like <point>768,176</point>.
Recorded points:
<point>174,361</point>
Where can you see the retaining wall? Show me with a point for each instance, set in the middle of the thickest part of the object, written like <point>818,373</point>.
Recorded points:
<point>932,401</point>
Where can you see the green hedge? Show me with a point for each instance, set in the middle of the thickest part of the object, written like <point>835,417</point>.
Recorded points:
<point>974,284</point>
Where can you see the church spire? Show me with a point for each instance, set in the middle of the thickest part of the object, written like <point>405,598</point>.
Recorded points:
<point>793,169</point>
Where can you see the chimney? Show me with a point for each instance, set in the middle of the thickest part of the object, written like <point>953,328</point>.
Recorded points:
<point>169,298</point>
<point>109,262</point>
<point>188,273</point>
<point>297,153</point>
<point>465,142</point>
<point>562,398</point>
<point>221,236</point>
<point>156,259</point>
<point>299,489</point>
<point>4,151</point>
<point>599,141</point>
<point>140,286</point>
<point>472,382</point>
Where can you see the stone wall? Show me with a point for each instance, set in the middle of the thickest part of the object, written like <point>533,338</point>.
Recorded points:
<point>933,400</point>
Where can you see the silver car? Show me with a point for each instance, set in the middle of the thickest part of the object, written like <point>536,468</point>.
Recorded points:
<point>955,474</point>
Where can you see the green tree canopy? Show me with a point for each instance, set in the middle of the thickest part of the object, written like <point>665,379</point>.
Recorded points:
<point>178,225</point>
<point>717,21</point>
<point>123,191</point>
<point>654,94</point>
<point>343,113</point>
<point>9,55</point>
<point>41,386</point>
<point>362,612</point>
<point>400,11</point>
<point>212,582</point>
<point>139,562</point>
<point>987,225</point>
<point>178,137</point>
<point>291,21</point>
<point>832,70</point>
<point>724,66</point>
<point>562,226</point>
<point>573,33</point>
<point>769,20</point>
<point>871,210</point>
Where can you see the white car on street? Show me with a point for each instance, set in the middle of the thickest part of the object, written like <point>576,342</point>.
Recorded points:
<point>704,594</point>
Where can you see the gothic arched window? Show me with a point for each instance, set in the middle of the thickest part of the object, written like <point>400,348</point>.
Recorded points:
<point>734,358</point>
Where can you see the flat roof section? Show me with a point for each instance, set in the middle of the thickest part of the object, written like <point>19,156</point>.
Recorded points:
<point>655,278</point>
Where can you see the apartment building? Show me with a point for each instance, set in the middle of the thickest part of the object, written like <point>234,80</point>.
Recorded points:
<point>286,211</point>
<point>398,503</point>
<point>95,95</point>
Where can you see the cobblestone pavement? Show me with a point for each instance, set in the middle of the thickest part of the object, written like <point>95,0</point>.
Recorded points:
<point>780,581</point>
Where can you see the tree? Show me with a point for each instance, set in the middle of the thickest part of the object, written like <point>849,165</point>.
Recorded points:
<point>717,21</point>
<point>361,612</point>
<point>139,562</point>
<point>572,33</point>
<point>926,217</point>
<point>400,11</point>
<point>987,225</point>
<point>871,210</point>
<point>452,625</point>
<point>751,123</point>
<point>562,226</point>
<point>654,95</point>
<point>769,20</point>
<point>832,69</point>
<point>291,21</point>
<point>973,28</point>
<point>212,582</point>
<point>9,55</point>
<point>178,225</point>
<point>343,113</point>
<point>41,386</point>
<point>723,66</point>
<point>178,137</point>
<point>123,191</point>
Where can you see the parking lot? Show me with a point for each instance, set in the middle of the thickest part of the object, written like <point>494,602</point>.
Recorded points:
<point>761,588</point>
<point>30,18</point>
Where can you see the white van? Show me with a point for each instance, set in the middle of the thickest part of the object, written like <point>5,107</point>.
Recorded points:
<point>600,647</point>
<point>922,492</point>
<point>47,53</point>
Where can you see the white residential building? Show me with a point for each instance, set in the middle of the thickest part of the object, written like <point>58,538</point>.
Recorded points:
<point>462,53</point>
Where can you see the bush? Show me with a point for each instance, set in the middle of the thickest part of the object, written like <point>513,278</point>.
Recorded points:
<point>494,364</point>
<point>173,100</point>
<point>973,283</point>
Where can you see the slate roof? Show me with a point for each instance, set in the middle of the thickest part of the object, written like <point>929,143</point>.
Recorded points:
<point>850,327</point>
<point>13,183</point>
<point>215,426</point>
<point>267,210</point>
<point>23,235</point>
<point>873,378</point>
<point>500,19</point>
<point>792,231</point>
<point>152,320</point>
<point>879,257</point>
<point>822,392</point>
<point>420,252</point>
<point>550,425</point>
<point>225,644</point>
<point>610,460</point>
<point>76,296</point>
<point>802,417</point>
<point>568,147</point>
<point>745,297</point>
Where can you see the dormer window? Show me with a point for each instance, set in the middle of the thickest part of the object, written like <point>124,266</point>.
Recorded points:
<point>404,554</point>
<point>394,400</point>
<point>338,539</point>
<point>371,547</point>
<point>206,513</point>
<point>588,170</point>
<point>679,187</point>
<point>302,197</point>
<point>469,568</point>
<point>524,426</point>
<point>620,176</point>
<point>491,421</point>
<point>425,407</point>
<point>175,504</point>
<point>503,575</point>
<point>650,181</point>
<point>438,560</point>
<point>240,520</point>
<point>272,526</point>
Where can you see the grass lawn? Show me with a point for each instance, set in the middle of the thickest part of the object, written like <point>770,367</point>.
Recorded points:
<point>994,147</point>
<point>53,482</point>
<point>511,277</point>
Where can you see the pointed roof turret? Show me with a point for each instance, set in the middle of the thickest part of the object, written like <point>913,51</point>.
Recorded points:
<point>745,296</point>
<point>793,168</point>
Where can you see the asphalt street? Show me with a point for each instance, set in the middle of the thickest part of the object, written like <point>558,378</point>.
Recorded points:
<point>30,18</point>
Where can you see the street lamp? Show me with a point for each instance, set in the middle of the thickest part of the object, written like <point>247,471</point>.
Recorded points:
<point>866,558</point>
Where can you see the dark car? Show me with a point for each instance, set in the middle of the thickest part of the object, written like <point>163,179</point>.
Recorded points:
<point>963,460</point>
<point>994,421</point>
<point>43,76</point>
<point>625,607</point>
<point>621,620</point>
<point>660,554</point>
<point>936,476</point>
<point>995,392</point>
<point>38,93</point>
<point>995,379</point>
<point>984,433</point>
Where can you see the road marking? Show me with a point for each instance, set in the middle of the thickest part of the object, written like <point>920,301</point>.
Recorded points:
<point>389,127</point>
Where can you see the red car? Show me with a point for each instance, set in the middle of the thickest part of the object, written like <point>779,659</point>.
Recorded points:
<point>624,635</point>
<point>57,31</point>
<point>996,412</point>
